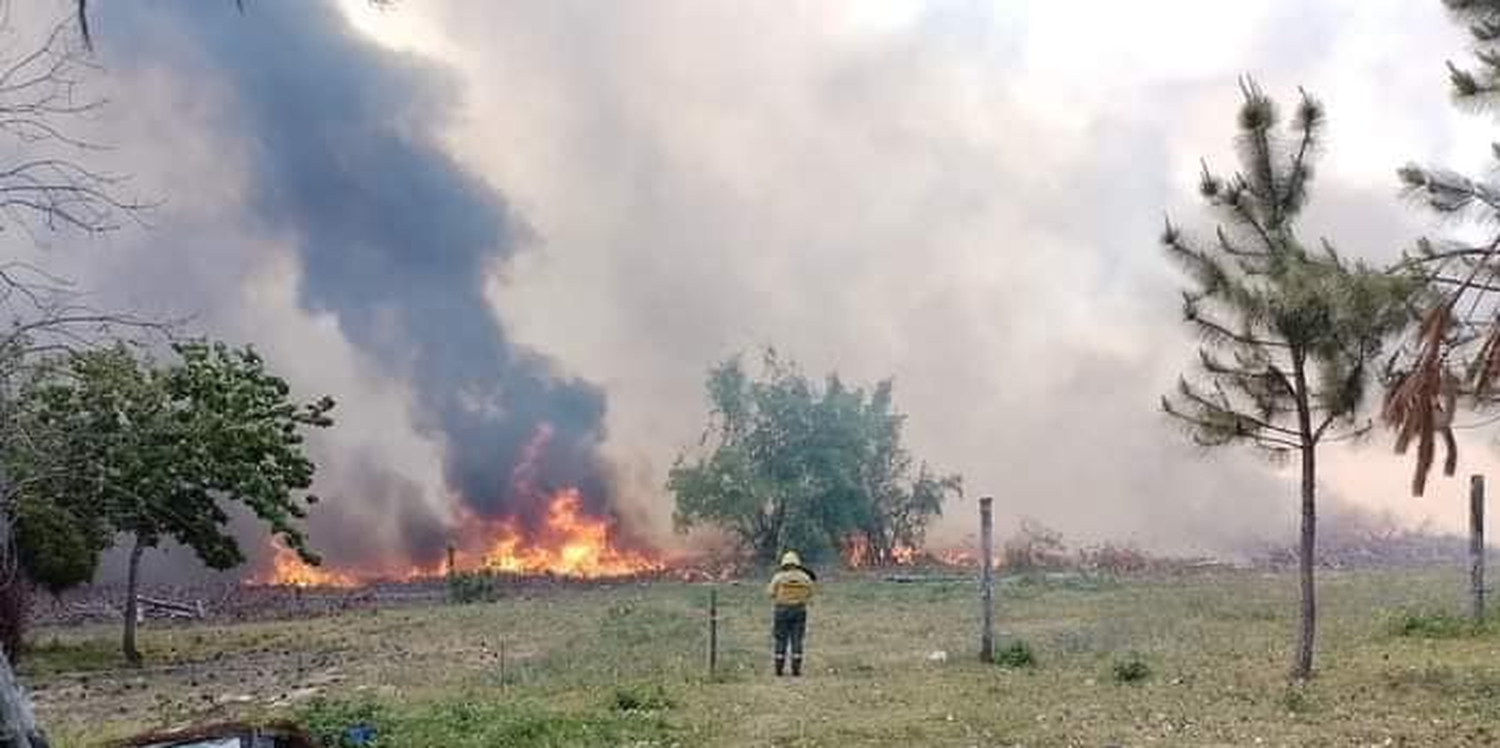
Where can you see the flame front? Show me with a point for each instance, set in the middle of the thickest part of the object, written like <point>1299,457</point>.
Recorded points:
<point>289,570</point>
<point>569,543</point>
<point>566,541</point>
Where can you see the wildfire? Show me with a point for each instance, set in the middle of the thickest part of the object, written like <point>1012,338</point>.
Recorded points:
<point>288,570</point>
<point>569,544</point>
<point>567,541</point>
<point>858,555</point>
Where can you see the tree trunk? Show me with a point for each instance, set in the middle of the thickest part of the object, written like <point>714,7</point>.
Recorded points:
<point>133,604</point>
<point>1306,560</point>
<point>15,611</point>
<point>1307,551</point>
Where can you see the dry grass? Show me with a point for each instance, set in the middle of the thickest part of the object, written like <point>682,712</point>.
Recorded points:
<point>1217,648</point>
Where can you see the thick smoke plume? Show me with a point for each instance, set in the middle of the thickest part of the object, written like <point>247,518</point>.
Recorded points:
<point>395,239</point>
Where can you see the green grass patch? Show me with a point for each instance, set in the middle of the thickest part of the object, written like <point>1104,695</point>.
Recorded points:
<point>480,721</point>
<point>56,656</point>
<point>1419,624</point>
<point>327,721</point>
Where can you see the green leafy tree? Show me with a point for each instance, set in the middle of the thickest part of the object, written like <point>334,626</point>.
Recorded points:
<point>49,539</point>
<point>1289,332</point>
<point>47,187</point>
<point>792,465</point>
<point>1455,354</point>
<point>172,447</point>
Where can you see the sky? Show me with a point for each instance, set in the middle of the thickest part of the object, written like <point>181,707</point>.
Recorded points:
<point>457,217</point>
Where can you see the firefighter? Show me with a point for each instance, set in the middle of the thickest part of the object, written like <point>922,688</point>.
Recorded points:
<point>790,589</point>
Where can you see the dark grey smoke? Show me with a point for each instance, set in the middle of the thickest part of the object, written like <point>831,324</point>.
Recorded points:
<point>395,238</point>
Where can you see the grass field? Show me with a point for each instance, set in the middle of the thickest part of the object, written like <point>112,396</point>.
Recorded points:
<point>625,666</point>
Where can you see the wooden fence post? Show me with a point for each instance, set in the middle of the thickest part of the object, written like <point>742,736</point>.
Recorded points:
<point>713,632</point>
<point>1476,545</point>
<point>987,579</point>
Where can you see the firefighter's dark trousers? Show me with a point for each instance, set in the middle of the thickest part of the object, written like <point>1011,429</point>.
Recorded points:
<point>788,630</point>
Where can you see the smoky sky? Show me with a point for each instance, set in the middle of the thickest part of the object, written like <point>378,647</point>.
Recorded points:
<point>446,215</point>
<point>395,238</point>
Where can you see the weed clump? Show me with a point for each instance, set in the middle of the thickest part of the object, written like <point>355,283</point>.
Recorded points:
<point>1295,700</point>
<point>1131,668</point>
<point>641,699</point>
<point>328,722</point>
<point>1015,655</point>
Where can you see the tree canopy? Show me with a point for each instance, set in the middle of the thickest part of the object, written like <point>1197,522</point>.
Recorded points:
<point>168,447</point>
<point>1289,332</point>
<point>820,469</point>
<point>160,452</point>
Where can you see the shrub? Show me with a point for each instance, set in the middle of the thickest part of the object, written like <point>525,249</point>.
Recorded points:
<point>1035,547</point>
<point>1016,654</point>
<point>1113,558</point>
<point>1131,668</point>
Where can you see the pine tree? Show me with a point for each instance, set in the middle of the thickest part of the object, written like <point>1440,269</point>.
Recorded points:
<point>1288,332</point>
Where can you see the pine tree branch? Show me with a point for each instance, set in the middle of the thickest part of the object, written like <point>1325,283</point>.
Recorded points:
<point>1219,330</point>
<point>1226,410</point>
<point>1352,435</point>
<point>1207,433</point>
<point>1254,223</point>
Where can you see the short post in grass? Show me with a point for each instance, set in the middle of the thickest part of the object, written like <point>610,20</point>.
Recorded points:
<point>713,632</point>
<point>1476,546</point>
<point>987,579</point>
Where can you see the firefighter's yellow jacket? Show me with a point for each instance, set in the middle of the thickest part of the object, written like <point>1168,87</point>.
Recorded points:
<point>791,586</point>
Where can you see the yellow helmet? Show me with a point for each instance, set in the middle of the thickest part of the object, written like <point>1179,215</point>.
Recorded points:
<point>790,558</point>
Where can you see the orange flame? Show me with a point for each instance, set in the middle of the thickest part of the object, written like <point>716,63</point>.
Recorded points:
<point>857,554</point>
<point>289,570</point>
<point>568,544</point>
